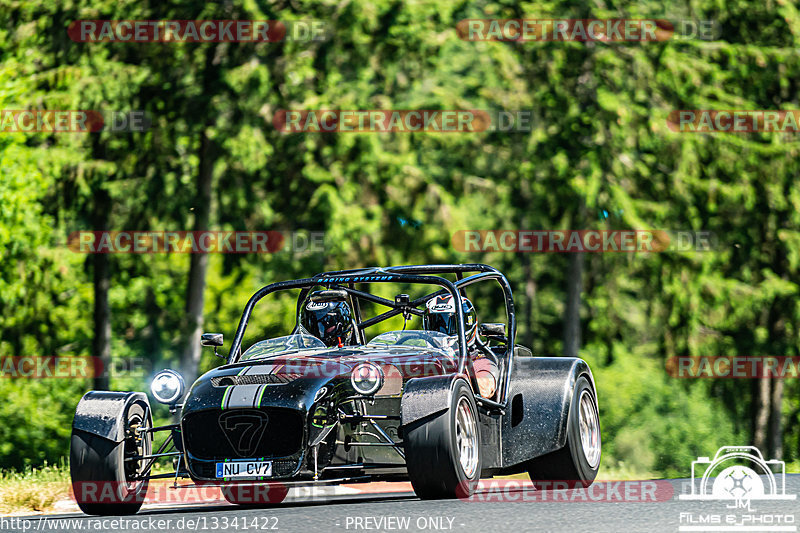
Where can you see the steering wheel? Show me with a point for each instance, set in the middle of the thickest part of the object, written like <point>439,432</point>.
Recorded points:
<point>410,336</point>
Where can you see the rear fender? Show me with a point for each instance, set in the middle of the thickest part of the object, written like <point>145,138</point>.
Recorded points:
<point>102,413</point>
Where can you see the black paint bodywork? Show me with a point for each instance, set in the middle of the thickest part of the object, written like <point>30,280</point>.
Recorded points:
<point>102,413</point>
<point>315,389</point>
<point>317,427</point>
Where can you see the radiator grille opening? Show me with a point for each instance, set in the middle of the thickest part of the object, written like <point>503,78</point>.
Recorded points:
<point>243,433</point>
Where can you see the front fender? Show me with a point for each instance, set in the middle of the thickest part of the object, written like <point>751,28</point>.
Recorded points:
<point>424,397</point>
<point>102,413</point>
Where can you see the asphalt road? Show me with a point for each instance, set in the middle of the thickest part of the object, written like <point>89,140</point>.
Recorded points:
<point>616,508</point>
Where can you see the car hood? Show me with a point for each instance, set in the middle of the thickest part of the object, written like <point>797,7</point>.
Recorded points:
<point>337,361</point>
<point>300,375</point>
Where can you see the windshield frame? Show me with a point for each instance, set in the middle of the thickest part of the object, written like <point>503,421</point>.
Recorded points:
<point>297,348</point>
<point>450,351</point>
<point>416,274</point>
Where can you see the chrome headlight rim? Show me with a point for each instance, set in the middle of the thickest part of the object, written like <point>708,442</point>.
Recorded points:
<point>373,369</point>
<point>179,390</point>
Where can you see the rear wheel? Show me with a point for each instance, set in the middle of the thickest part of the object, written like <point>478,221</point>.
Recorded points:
<point>443,453</point>
<point>103,481</point>
<point>578,461</point>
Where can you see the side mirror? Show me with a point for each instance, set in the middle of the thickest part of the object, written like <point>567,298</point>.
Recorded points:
<point>493,331</point>
<point>402,302</point>
<point>211,339</point>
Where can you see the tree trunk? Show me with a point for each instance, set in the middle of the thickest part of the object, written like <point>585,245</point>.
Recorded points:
<point>101,345</point>
<point>775,422</point>
<point>530,298</point>
<point>761,414</point>
<point>195,292</point>
<point>572,311</point>
<point>780,338</point>
<point>525,198</point>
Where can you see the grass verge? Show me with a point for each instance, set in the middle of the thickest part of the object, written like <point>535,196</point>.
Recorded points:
<point>34,489</point>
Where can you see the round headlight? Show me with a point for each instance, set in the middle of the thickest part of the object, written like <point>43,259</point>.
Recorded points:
<point>367,378</point>
<point>167,386</point>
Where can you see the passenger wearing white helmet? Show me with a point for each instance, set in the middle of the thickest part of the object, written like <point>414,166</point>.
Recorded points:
<point>440,315</point>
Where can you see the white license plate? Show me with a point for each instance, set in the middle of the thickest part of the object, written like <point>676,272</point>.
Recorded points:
<point>244,469</point>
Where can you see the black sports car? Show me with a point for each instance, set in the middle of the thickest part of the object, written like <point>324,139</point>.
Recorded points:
<point>403,405</point>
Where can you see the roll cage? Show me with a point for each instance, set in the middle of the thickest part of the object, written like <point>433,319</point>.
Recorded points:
<point>420,274</point>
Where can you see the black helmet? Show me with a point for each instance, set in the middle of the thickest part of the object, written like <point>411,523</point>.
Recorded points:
<point>440,315</point>
<point>331,321</point>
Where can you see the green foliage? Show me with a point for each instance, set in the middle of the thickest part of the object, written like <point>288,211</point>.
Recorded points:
<point>600,155</point>
<point>657,425</point>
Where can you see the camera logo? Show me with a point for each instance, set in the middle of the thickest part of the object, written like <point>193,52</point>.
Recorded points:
<point>738,473</point>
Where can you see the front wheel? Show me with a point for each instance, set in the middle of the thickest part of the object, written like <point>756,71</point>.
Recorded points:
<point>106,477</point>
<point>579,459</point>
<point>443,453</point>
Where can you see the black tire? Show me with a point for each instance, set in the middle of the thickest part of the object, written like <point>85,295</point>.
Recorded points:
<point>97,467</point>
<point>433,455</point>
<point>570,463</point>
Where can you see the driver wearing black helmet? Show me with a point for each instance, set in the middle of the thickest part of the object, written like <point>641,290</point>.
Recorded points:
<point>330,320</point>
